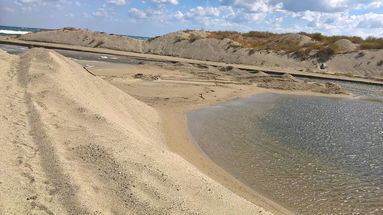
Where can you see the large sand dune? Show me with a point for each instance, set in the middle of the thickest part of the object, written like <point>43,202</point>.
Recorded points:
<point>198,45</point>
<point>71,143</point>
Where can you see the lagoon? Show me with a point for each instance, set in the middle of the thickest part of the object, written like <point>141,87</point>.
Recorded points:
<point>313,155</point>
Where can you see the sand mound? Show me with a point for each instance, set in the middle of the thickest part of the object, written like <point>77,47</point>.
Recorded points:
<point>83,37</point>
<point>298,39</point>
<point>77,145</point>
<point>262,74</point>
<point>198,45</point>
<point>345,45</point>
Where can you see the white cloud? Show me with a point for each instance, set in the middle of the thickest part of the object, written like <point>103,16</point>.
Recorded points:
<point>136,13</point>
<point>371,20</point>
<point>340,23</point>
<point>275,21</point>
<point>178,15</point>
<point>78,4</point>
<point>252,5</point>
<point>102,12</point>
<point>202,12</point>
<point>303,5</point>
<point>117,2</point>
<point>173,2</point>
<point>29,1</point>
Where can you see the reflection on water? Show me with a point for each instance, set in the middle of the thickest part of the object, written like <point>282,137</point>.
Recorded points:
<point>313,155</point>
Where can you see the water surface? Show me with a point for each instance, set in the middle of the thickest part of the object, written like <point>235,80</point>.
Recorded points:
<point>314,155</point>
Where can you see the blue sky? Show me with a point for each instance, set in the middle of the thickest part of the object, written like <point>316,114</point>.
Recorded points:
<point>156,17</point>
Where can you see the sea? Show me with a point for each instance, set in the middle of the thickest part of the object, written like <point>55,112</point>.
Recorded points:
<point>12,31</point>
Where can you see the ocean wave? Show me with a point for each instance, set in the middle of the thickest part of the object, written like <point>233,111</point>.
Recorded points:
<point>13,32</point>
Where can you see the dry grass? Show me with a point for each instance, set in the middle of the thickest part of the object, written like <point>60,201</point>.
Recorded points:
<point>69,29</point>
<point>193,37</point>
<point>322,45</point>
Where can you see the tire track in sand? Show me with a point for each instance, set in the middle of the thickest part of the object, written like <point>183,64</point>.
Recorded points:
<point>63,188</point>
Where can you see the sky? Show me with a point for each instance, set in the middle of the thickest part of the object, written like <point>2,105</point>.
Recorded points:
<point>157,17</point>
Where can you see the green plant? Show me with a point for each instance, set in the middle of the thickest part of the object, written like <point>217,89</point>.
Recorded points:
<point>348,74</point>
<point>329,50</point>
<point>317,36</point>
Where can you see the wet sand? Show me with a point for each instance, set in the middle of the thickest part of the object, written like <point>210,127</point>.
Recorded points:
<point>178,90</point>
<point>174,88</point>
<point>76,144</point>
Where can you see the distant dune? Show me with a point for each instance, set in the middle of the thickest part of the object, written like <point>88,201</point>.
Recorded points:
<point>307,52</point>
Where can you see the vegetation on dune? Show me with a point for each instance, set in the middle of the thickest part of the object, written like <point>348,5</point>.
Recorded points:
<point>320,44</point>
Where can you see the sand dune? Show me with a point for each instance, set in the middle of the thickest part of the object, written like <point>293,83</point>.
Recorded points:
<point>197,45</point>
<point>74,144</point>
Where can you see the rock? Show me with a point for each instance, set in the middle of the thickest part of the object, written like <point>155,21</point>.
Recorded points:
<point>226,68</point>
<point>138,75</point>
<point>298,39</point>
<point>323,66</point>
<point>345,45</point>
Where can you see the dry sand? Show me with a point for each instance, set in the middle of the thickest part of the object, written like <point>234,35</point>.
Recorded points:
<point>364,63</point>
<point>176,88</point>
<point>74,144</point>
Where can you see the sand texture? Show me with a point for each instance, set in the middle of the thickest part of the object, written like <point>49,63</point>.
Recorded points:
<point>72,143</point>
<point>196,45</point>
<point>176,88</point>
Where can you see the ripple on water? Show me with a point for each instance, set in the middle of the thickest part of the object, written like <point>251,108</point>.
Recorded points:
<point>313,155</point>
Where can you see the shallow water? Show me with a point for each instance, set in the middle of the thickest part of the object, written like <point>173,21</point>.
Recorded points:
<point>313,155</point>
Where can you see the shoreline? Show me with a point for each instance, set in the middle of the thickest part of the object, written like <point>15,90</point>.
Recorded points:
<point>182,144</point>
<point>173,90</point>
<point>177,92</point>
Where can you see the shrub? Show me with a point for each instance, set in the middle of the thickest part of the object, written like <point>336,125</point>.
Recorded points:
<point>331,50</point>
<point>69,29</point>
<point>259,34</point>
<point>317,37</point>
<point>272,41</point>
<point>348,74</point>
<point>194,37</point>
<point>372,43</point>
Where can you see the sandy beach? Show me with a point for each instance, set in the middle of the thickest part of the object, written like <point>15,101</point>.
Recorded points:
<point>111,138</point>
<point>174,90</point>
<point>119,107</point>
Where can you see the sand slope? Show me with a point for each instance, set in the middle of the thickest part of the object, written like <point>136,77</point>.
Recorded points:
<point>73,144</point>
<point>196,45</point>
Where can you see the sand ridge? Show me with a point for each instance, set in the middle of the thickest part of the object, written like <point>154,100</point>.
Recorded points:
<point>199,46</point>
<point>74,144</point>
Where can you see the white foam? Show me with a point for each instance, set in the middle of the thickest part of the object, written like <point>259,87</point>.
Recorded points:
<point>13,32</point>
